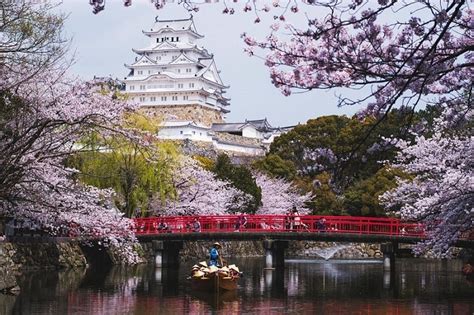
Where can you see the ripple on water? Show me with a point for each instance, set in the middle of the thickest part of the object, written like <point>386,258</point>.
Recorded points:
<point>334,261</point>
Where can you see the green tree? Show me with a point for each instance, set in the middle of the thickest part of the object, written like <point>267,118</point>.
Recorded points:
<point>363,197</point>
<point>205,162</point>
<point>338,152</point>
<point>326,200</point>
<point>335,135</point>
<point>241,178</point>
<point>274,165</point>
<point>137,172</point>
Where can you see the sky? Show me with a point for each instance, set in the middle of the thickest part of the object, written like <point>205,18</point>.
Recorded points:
<point>103,43</point>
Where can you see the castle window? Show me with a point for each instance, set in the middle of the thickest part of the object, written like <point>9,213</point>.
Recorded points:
<point>194,132</point>
<point>188,70</point>
<point>179,70</point>
<point>174,98</point>
<point>163,98</point>
<point>142,99</point>
<point>131,87</point>
<point>181,132</point>
<point>185,97</point>
<point>177,39</point>
<point>142,87</point>
<point>140,72</point>
<point>149,71</point>
<point>153,98</point>
<point>191,85</point>
<point>180,85</point>
<point>157,40</point>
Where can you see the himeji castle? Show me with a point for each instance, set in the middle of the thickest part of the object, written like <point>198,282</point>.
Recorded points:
<point>175,79</point>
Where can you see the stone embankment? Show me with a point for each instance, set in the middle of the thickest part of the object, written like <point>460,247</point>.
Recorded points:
<point>24,256</point>
<point>38,254</point>
<point>328,250</point>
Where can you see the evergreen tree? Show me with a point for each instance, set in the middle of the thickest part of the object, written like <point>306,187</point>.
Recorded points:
<point>242,179</point>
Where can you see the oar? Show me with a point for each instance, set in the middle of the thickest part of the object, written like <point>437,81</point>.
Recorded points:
<point>220,258</point>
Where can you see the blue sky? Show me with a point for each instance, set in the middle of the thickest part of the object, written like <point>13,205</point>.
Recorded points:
<point>102,43</point>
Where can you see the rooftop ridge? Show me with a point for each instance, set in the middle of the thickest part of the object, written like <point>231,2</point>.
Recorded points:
<point>174,20</point>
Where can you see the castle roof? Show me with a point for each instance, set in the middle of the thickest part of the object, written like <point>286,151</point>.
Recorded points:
<point>182,123</point>
<point>260,125</point>
<point>175,25</point>
<point>210,71</point>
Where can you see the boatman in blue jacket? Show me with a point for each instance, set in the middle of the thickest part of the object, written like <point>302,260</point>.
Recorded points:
<point>214,257</point>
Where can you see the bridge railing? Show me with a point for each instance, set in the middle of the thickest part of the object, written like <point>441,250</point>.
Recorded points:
<point>277,223</point>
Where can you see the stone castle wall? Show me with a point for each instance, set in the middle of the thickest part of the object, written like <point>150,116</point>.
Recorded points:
<point>230,138</point>
<point>198,114</point>
<point>209,150</point>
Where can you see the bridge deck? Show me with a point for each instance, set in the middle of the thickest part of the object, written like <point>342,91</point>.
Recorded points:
<point>282,227</point>
<point>254,236</point>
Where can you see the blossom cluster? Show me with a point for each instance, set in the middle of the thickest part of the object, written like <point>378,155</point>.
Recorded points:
<point>441,194</point>
<point>280,196</point>
<point>200,192</point>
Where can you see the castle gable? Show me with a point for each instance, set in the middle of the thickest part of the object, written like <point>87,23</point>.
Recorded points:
<point>183,59</point>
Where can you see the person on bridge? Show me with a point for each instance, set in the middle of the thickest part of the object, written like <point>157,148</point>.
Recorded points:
<point>321,225</point>
<point>297,224</point>
<point>163,226</point>
<point>214,257</point>
<point>196,227</point>
<point>241,222</point>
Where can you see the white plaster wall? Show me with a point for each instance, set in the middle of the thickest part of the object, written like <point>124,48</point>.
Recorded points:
<point>250,132</point>
<point>181,133</point>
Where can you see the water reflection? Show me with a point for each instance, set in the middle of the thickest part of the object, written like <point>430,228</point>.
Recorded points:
<point>304,287</point>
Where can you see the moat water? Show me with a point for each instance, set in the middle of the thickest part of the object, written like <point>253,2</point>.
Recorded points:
<point>304,287</point>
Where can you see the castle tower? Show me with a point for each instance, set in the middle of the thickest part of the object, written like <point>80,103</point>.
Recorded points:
<point>174,78</point>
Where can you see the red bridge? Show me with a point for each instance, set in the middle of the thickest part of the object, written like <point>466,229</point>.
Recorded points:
<point>270,224</point>
<point>167,234</point>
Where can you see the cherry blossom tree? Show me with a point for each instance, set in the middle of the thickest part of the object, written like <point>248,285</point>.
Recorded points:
<point>44,116</point>
<point>442,192</point>
<point>200,192</point>
<point>31,40</point>
<point>279,196</point>
<point>44,124</point>
<point>360,44</point>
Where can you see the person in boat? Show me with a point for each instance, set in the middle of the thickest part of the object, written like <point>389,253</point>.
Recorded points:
<point>214,258</point>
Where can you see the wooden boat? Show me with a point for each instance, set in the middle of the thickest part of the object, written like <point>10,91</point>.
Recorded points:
<point>214,283</point>
<point>214,279</point>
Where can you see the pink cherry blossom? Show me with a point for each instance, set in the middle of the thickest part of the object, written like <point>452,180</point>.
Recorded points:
<point>199,192</point>
<point>279,196</point>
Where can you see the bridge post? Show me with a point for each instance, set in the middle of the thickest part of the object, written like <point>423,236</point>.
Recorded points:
<point>167,253</point>
<point>274,253</point>
<point>388,250</point>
